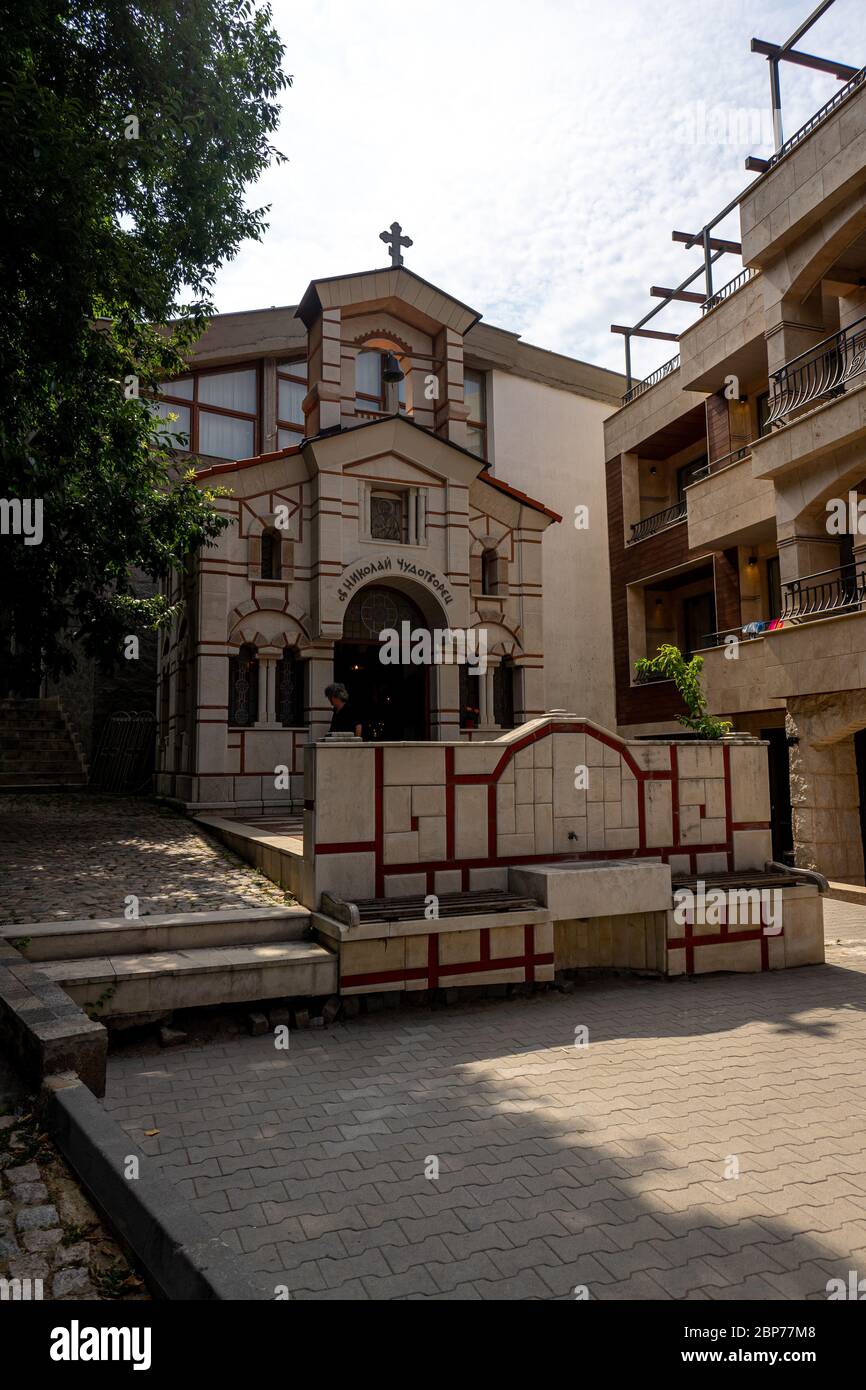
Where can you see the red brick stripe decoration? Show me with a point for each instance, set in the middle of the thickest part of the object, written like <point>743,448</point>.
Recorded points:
<point>490,780</point>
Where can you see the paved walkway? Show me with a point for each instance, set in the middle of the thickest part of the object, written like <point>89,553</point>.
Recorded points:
<point>709,1142</point>
<point>80,855</point>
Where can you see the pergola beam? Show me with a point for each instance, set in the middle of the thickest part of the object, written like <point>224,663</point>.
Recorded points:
<point>716,243</point>
<point>843,71</point>
<point>644,333</point>
<point>688,296</point>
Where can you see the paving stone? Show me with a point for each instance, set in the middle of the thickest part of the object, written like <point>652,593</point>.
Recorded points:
<point>78,1254</point>
<point>74,1282</point>
<point>26,1172</point>
<point>41,1240</point>
<point>29,1192</point>
<point>547,1168</point>
<point>36,1218</point>
<point>29,1267</point>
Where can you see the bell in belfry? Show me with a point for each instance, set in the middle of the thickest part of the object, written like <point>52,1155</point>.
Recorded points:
<point>391,369</point>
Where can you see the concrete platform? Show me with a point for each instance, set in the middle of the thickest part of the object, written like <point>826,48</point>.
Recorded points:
<point>89,937</point>
<point>278,854</point>
<point>161,981</point>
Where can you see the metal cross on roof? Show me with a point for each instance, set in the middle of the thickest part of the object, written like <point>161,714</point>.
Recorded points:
<point>395,240</point>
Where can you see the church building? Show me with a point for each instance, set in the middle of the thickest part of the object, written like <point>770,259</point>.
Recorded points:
<point>390,465</point>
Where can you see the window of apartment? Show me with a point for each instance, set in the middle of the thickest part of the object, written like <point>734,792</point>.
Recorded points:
<point>474,394</point>
<point>216,411</point>
<point>291,390</point>
<point>689,473</point>
<point>774,588</point>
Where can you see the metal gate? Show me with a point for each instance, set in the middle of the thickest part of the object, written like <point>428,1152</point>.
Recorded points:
<point>124,760</point>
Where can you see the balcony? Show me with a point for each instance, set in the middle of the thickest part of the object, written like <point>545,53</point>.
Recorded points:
<point>728,506</point>
<point>818,374</point>
<point>829,592</point>
<point>810,175</point>
<point>728,338</point>
<point>659,521</point>
<point>727,290</point>
<point>658,375</point>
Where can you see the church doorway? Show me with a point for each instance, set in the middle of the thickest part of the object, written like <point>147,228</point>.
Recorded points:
<point>392,702</point>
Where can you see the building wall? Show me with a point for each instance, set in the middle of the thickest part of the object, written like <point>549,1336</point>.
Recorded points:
<point>551,444</point>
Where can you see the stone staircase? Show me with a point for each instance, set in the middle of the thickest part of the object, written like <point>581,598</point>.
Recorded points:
<point>37,747</point>
<point>152,965</point>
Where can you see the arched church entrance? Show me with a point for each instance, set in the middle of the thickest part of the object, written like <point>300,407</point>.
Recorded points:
<point>392,701</point>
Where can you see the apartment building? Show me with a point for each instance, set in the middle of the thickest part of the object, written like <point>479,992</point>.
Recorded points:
<point>734,474</point>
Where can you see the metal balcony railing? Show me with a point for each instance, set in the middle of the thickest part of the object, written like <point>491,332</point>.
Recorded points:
<point>727,290</point>
<point>837,590</point>
<point>818,373</point>
<point>657,522</point>
<point>658,375</point>
<point>820,115</point>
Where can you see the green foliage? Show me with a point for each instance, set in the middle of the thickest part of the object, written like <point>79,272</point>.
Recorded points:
<point>670,664</point>
<point>104,240</point>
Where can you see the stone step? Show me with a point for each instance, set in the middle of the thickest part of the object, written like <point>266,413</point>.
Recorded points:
<point>174,931</point>
<point>124,985</point>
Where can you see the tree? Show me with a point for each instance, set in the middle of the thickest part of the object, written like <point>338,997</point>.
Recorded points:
<point>670,664</point>
<point>131,131</point>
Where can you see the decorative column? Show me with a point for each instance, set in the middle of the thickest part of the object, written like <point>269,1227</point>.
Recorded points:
<point>319,673</point>
<point>267,711</point>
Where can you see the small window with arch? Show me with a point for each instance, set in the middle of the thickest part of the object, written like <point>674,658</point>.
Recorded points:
<point>271,566</point>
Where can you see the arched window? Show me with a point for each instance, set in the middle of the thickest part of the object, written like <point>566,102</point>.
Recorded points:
<point>470,712</point>
<point>371,396</point>
<point>488,572</point>
<point>271,565</point>
<point>290,689</point>
<point>503,693</point>
<point>244,686</point>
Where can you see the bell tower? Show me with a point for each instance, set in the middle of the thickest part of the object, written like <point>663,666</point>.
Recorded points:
<point>419,332</point>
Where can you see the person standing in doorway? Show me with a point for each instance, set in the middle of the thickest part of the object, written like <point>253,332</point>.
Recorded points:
<point>343,719</point>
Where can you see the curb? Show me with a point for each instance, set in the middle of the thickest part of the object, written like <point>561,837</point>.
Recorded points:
<point>180,1256</point>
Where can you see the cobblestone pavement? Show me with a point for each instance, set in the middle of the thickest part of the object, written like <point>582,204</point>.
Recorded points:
<point>611,1166</point>
<point>48,1230</point>
<point>80,855</point>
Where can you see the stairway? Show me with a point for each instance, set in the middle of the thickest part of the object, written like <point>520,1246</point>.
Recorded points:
<point>37,748</point>
<point>113,967</point>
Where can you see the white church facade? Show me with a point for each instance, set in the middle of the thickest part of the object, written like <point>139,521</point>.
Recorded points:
<point>390,465</point>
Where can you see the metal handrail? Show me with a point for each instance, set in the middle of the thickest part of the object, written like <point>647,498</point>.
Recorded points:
<point>667,369</point>
<point>649,525</point>
<point>815,594</point>
<point>727,290</point>
<point>819,116</point>
<point>820,371</point>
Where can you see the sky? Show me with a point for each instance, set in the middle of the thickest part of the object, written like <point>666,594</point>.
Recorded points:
<point>539,154</point>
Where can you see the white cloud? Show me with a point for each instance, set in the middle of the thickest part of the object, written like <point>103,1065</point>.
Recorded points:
<point>539,155</point>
